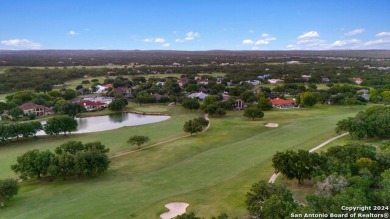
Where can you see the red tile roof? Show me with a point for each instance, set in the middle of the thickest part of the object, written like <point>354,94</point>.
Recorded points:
<point>108,85</point>
<point>278,101</point>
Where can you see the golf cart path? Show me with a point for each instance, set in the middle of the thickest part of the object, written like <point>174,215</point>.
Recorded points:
<point>275,175</point>
<point>206,116</point>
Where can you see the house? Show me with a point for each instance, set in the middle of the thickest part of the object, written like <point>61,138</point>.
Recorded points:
<point>39,110</point>
<point>275,81</point>
<point>91,105</point>
<point>265,76</point>
<point>182,81</point>
<point>225,96</point>
<point>105,100</point>
<point>108,86</point>
<point>219,79</point>
<point>280,103</point>
<point>100,89</point>
<point>306,77</point>
<point>325,80</point>
<point>199,95</point>
<point>160,83</point>
<point>257,90</point>
<point>358,80</point>
<point>204,82</point>
<point>239,104</point>
<point>253,82</point>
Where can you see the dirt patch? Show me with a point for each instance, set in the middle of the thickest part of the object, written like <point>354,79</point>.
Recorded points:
<point>175,209</point>
<point>272,125</point>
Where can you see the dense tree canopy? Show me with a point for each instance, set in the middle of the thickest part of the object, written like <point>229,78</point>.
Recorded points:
<point>253,113</point>
<point>138,140</point>
<point>374,122</point>
<point>266,200</point>
<point>60,124</point>
<point>8,189</point>
<point>69,159</point>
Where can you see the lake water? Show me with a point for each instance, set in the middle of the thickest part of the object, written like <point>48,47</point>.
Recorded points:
<point>113,121</point>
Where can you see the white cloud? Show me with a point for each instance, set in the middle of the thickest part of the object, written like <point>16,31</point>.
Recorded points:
<point>191,35</point>
<point>248,42</point>
<point>265,41</point>
<point>188,37</point>
<point>154,40</point>
<point>378,42</point>
<point>251,31</point>
<point>292,47</point>
<point>21,43</point>
<point>159,40</point>
<point>308,35</point>
<point>311,40</point>
<point>355,32</point>
<point>72,33</point>
<point>383,34</point>
<point>166,45</point>
<point>344,43</point>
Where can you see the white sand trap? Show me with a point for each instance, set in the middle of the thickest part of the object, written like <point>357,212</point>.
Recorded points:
<point>175,209</point>
<point>272,125</point>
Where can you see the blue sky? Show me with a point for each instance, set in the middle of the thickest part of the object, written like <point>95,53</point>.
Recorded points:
<point>195,24</point>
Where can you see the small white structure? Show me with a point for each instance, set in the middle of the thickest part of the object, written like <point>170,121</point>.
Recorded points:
<point>100,89</point>
<point>160,83</point>
<point>253,82</point>
<point>199,95</point>
<point>275,81</point>
<point>293,62</point>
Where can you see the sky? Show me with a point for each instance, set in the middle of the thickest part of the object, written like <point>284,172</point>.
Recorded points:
<point>195,24</point>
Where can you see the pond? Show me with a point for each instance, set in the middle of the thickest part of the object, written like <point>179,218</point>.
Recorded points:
<point>113,121</point>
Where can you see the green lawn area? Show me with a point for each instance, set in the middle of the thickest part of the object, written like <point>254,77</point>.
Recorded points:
<point>2,96</point>
<point>4,68</point>
<point>211,171</point>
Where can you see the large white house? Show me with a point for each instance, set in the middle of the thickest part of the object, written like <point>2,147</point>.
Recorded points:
<point>199,95</point>
<point>105,100</point>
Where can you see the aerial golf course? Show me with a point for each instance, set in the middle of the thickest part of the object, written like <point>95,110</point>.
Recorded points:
<point>212,171</point>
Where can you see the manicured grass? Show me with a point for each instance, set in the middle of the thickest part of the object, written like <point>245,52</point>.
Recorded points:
<point>2,96</point>
<point>211,171</point>
<point>114,139</point>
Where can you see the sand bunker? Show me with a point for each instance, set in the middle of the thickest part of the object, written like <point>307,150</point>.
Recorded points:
<point>175,209</point>
<point>272,125</point>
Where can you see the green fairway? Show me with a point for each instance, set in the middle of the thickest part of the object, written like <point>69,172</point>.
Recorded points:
<point>212,171</point>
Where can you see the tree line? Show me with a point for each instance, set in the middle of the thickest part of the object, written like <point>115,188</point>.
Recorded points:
<point>71,159</point>
<point>372,123</point>
<point>54,126</point>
